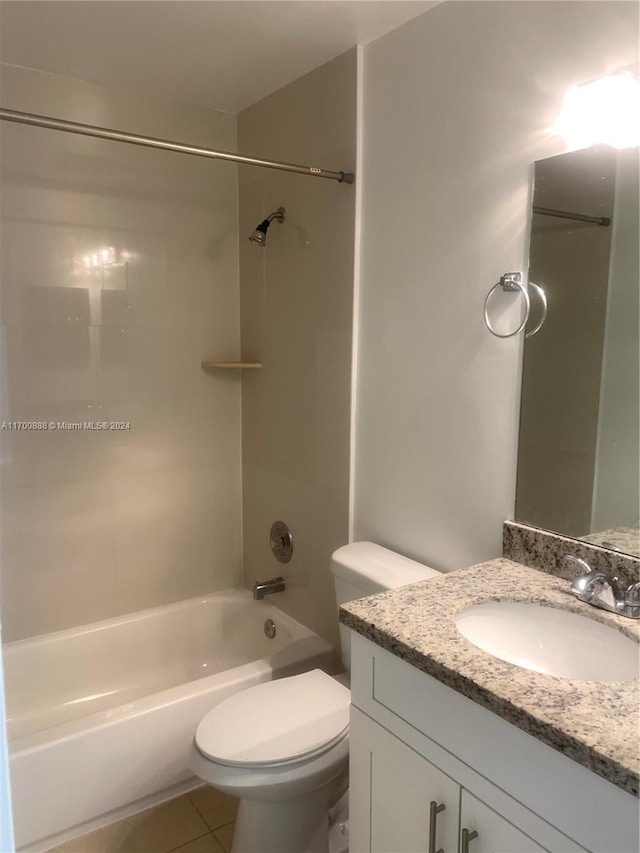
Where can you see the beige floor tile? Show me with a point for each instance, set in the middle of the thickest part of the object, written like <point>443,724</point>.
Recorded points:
<point>156,830</point>
<point>205,844</point>
<point>225,836</point>
<point>215,807</point>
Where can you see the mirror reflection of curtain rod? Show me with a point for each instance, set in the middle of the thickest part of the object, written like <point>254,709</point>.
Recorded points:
<point>565,214</point>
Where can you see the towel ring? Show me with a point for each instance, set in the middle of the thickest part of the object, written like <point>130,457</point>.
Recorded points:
<point>542,296</point>
<point>509,282</point>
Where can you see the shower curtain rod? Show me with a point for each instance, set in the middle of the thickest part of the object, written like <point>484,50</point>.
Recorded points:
<point>166,145</point>
<point>565,214</point>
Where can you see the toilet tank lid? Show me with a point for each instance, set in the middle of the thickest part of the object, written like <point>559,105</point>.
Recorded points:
<point>380,567</point>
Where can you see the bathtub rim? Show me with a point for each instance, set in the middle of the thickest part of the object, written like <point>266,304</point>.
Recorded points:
<point>236,592</point>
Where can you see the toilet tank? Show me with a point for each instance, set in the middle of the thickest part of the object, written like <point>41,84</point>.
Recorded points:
<point>362,569</point>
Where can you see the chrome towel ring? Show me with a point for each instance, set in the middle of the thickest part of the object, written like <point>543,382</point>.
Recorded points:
<point>542,296</point>
<point>509,282</point>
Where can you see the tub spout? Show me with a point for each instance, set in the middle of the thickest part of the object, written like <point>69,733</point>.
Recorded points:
<point>262,588</point>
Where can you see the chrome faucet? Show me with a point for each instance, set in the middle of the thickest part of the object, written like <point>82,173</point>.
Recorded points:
<point>603,591</point>
<point>262,588</point>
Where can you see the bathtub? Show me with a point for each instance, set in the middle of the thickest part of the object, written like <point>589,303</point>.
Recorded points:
<point>101,718</point>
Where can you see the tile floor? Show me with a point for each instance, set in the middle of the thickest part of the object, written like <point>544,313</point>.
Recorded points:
<point>201,821</point>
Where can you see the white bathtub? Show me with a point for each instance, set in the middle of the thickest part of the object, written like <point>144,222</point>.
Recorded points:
<point>101,717</point>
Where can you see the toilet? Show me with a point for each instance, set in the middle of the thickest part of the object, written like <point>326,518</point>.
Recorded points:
<point>282,747</point>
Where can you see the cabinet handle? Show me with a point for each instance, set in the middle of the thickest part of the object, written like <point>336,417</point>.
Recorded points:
<point>466,838</point>
<point>434,811</point>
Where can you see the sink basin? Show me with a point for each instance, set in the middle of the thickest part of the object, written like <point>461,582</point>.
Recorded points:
<point>550,641</point>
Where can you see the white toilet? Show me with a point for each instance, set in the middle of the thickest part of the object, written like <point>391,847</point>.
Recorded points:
<point>282,747</point>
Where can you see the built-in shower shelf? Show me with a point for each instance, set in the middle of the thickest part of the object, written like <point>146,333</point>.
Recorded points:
<point>234,365</point>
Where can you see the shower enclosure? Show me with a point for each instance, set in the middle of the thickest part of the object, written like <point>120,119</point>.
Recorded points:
<point>123,612</point>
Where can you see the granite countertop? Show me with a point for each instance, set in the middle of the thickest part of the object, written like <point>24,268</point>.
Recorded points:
<point>626,539</point>
<point>594,724</point>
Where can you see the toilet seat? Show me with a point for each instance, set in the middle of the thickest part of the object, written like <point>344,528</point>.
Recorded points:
<point>276,723</point>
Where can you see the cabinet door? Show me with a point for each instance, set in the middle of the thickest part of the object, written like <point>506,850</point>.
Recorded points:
<point>402,786</point>
<point>494,833</point>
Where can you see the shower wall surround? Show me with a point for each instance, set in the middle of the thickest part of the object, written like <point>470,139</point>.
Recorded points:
<point>119,275</point>
<point>297,298</point>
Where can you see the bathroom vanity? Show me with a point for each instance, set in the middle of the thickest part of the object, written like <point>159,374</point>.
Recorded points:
<point>455,750</point>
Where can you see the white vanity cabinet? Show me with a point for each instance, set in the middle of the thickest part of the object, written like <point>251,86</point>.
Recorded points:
<point>418,745</point>
<point>415,807</point>
<point>410,797</point>
<point>488,832</point>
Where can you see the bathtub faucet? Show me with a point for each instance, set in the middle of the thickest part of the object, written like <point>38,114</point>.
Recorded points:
<point>262,588</point>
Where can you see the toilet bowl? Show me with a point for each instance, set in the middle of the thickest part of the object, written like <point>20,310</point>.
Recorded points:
<point>283,747</point>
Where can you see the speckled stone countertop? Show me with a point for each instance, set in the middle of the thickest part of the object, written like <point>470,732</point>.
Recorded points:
<point>547,551</point>
<point>594,724</point>
<point>626,539</point>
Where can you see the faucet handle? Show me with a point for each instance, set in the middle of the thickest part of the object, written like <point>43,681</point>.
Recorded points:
<point>632,595</point>
<point>585,583</point>
<point>586,568</point>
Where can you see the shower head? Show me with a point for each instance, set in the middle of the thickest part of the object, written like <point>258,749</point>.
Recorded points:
<point>259,236</point>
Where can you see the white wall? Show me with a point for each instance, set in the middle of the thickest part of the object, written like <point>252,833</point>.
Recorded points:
<point>458,104</point>
<point>98,524</point>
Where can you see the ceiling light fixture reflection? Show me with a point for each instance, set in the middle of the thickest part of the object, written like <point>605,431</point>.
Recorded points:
<point>606,111</point>
<point>104,257</point>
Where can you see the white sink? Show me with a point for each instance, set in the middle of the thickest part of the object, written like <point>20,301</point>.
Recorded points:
<point>550,641</point>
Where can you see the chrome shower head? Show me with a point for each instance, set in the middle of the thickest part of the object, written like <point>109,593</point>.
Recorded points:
<point>259,236</point>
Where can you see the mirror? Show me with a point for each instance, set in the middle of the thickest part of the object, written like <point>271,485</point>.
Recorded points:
<point>578,455</point>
